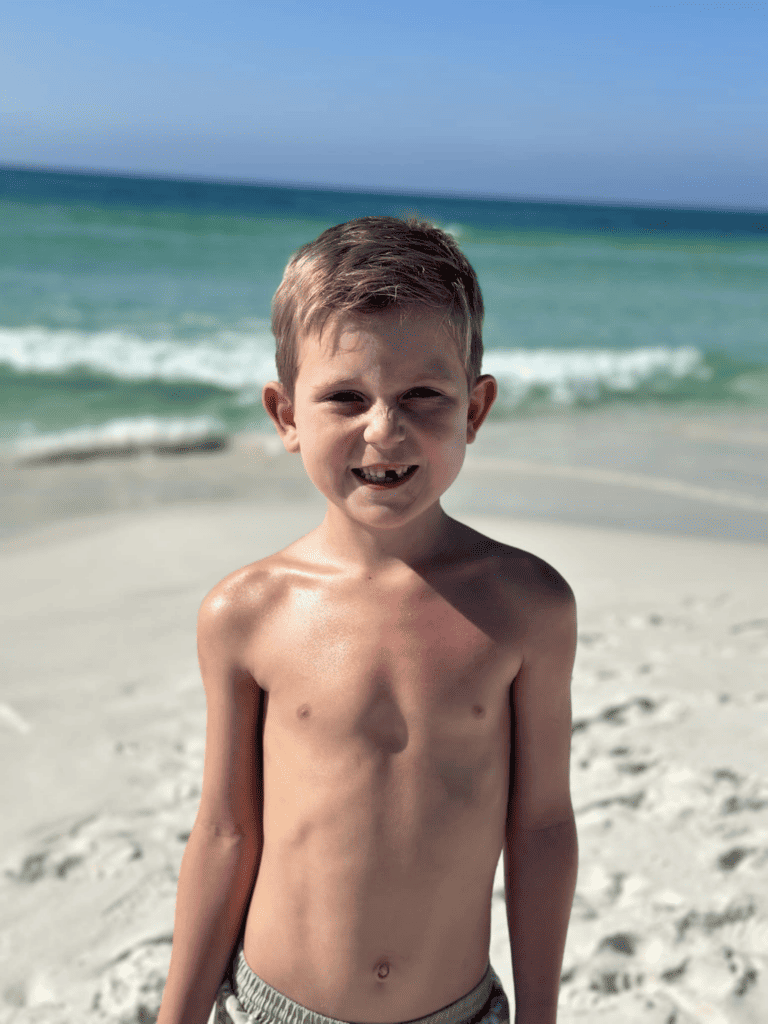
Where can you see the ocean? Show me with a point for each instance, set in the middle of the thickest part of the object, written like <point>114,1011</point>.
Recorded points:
<point>136,309</point>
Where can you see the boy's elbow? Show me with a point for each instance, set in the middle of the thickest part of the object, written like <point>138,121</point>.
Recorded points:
<point>560,830</point>
<point>559,835</point>
<point>240,833</point>
<point>562,824</point>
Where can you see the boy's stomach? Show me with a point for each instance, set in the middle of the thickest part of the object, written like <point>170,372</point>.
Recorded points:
<point>373,897</point>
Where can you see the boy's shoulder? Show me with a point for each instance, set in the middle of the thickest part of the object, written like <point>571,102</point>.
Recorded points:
<point>517,572</point>
<point>527,601</point>
<point>493,571</point>
<point>241,595</point>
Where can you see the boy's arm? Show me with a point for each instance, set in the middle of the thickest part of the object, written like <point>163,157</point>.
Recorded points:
<point>541,851</point>
<point>222,856</point>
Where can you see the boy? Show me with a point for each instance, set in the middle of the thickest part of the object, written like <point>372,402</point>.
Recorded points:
<point>388,699</point>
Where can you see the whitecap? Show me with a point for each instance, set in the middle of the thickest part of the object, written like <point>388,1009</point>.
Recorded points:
<point>570,375</point>
<point>122,436</point>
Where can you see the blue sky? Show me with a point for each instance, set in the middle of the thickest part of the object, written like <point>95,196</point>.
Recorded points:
<point>654,103</point>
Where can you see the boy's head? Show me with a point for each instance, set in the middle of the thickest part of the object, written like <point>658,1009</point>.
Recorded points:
<point>369,266</point>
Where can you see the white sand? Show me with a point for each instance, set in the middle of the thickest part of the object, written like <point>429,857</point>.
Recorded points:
<point>102,728</point>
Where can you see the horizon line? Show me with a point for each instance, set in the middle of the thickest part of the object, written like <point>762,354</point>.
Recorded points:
<point>370,190</point>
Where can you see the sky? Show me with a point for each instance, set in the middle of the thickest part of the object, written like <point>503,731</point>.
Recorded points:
<point>664,104</point>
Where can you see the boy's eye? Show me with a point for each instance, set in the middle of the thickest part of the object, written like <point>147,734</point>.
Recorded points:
<point>345,396</point>
<point>420,393</point>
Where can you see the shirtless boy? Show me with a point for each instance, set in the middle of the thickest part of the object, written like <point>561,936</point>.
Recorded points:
<point>388,699</point>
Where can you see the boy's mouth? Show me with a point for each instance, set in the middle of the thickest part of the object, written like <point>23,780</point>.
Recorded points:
<point>384,474</point>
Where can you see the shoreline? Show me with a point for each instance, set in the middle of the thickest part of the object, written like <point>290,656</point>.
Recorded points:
<point>691,471</point>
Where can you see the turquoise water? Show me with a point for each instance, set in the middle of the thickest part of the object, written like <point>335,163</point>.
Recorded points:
<point>138,306</point>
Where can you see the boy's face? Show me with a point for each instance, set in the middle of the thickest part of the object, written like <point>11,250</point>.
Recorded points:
<point>376,395</point>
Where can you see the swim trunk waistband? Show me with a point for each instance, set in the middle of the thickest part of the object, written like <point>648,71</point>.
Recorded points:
<point>245,998</point>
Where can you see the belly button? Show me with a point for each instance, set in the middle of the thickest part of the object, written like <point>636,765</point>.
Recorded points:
<point>383,969</point>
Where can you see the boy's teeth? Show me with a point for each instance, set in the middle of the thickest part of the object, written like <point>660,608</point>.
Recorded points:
<point>381,474</point>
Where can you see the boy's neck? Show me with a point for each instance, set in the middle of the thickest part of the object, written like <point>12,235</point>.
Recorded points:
<point>419,542</point>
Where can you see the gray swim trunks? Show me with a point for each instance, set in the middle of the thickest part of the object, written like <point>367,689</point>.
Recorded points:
<point>246,999</point>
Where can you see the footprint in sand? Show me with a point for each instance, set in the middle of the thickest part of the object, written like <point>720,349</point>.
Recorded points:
<point>98,846</point>
<point>639,952</point>
<point>592,641</point>
<point>752,626</point>
<point>688,959</point>
<point>733,857</point>
<point>131,988</point>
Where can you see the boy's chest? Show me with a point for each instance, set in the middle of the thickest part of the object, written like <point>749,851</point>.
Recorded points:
<point>375,658</point>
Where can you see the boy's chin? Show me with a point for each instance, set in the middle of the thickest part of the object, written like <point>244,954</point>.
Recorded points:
<point>384,515</point>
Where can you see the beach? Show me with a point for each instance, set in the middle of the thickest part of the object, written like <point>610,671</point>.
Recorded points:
<point>657,517</point>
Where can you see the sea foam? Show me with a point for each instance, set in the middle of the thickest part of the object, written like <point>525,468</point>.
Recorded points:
<point>568,376</point>
<point>245,362</point>
<point>229,360</point>
<point>122,437</point>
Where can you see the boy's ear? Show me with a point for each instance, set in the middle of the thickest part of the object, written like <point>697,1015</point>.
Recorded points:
<point>481,398</point>
<point>280,408</point>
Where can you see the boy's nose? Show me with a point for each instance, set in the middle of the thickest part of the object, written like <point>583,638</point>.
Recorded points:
<point>385,427</point>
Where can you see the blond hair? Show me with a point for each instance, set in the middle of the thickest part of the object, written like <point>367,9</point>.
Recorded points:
<point>375,264</point>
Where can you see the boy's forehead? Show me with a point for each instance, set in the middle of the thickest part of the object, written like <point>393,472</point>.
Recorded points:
<point>418,337</point>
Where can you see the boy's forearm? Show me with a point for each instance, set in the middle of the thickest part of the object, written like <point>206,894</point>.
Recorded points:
<point>540,874</point>
<point>215,881</point>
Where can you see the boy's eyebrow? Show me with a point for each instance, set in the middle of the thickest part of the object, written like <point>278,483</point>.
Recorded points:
<point>439,371</point>
<point>435,371</point>
<point>335,383</point>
